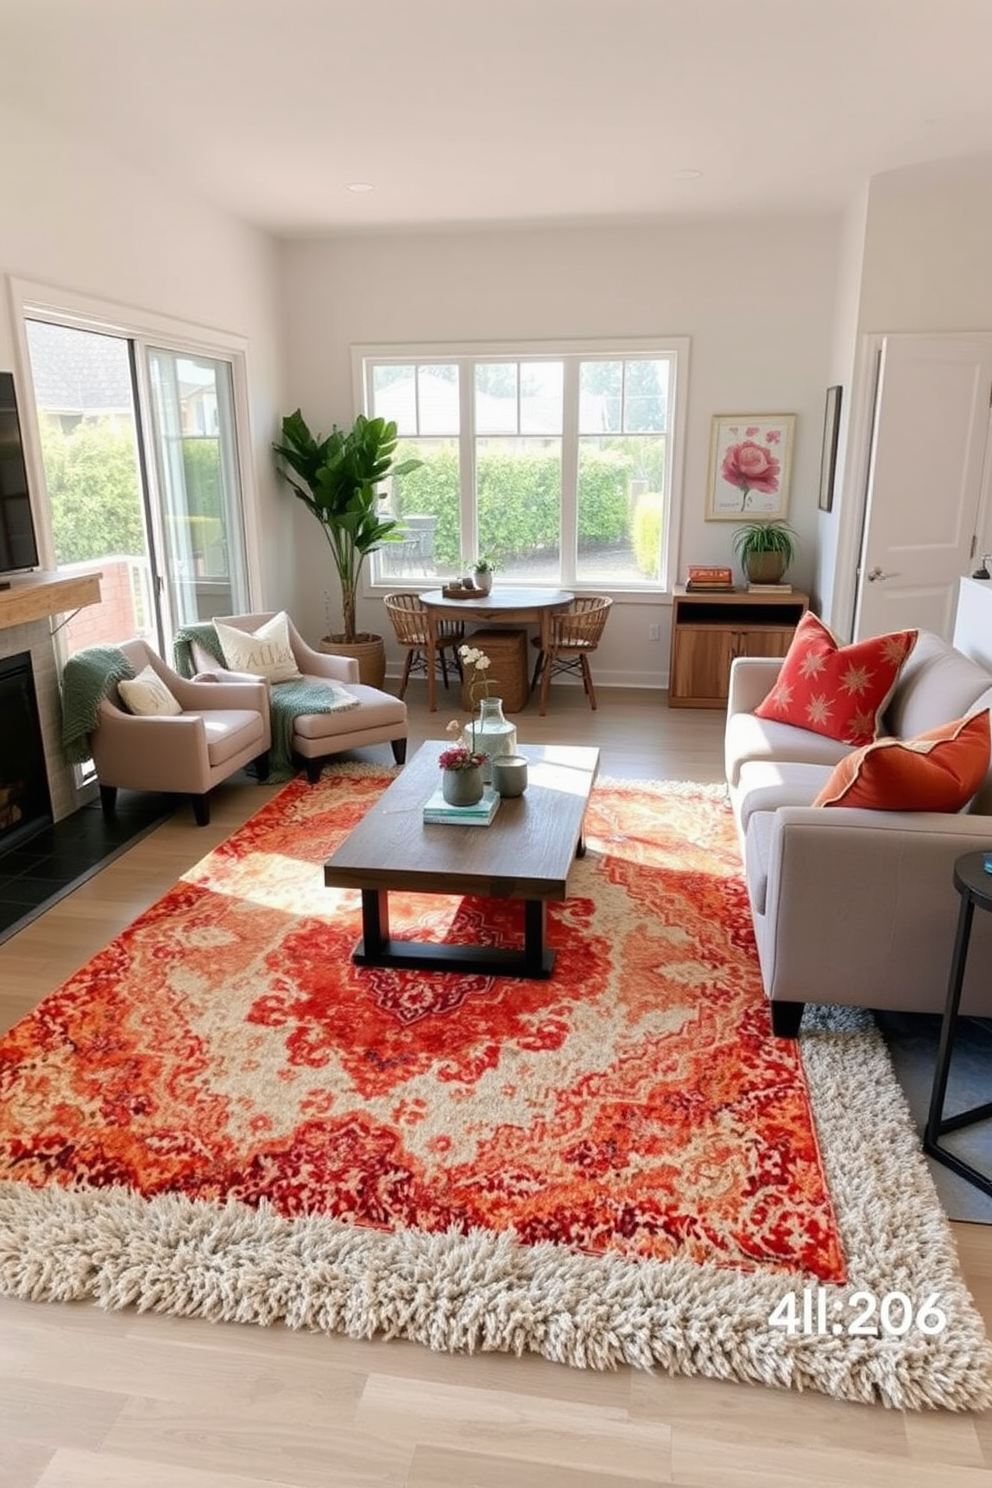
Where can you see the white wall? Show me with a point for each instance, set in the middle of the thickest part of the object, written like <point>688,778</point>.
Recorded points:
<point>94,227</point>
<point>831,552</point>
<point>756,299</point>
<point>928,249</point>
<point>925,266</point>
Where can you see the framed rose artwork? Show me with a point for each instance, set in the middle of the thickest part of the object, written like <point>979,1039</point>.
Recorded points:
<point>750,465</point>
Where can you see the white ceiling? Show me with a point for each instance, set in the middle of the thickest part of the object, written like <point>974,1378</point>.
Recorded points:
<point>513,111</point>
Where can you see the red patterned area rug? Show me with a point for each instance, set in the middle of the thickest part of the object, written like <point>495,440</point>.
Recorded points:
<point>220,1115</point>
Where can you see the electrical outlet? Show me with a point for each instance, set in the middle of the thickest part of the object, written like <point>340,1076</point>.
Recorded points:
<point>654,633</point>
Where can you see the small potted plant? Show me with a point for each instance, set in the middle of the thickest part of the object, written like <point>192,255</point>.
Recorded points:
<point>765,550</point>
<point>461,770</point>
<point>482,574</point>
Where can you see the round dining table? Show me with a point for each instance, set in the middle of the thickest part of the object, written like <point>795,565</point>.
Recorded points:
<point>510,607</point>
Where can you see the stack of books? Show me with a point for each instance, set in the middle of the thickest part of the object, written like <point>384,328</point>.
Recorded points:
<point>438,811</point>
<point>703,579</point>
<point>769,588</point>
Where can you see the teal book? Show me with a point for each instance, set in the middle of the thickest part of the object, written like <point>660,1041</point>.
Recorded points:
<point>437,810</point>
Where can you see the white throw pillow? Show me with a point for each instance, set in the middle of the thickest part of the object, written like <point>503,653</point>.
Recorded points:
<point>264,653</point>
<point>147,694</point>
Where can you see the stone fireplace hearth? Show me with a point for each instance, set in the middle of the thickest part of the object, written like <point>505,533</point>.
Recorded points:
<point>25,803</point>
<point>26,611</point>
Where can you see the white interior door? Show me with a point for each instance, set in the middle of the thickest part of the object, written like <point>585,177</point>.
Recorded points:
<point>924,481</point>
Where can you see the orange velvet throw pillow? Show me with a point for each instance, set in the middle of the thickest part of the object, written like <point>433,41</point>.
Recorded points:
<point>937,771</point>
<point>839,691</point>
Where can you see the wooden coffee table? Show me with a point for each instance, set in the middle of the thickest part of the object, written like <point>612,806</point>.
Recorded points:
<point>525,853</point>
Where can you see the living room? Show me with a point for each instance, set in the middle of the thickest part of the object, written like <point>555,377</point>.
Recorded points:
<point>777,304</point>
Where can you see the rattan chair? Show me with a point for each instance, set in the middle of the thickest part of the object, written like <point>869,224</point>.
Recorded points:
<point>408,616</point>
<point>571,635</point>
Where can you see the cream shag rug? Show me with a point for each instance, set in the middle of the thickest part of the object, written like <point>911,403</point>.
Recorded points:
<point>483,1291</point>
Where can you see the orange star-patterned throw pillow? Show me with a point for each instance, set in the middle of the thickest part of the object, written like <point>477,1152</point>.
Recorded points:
<point>937,771</point>
<point>839,691</point>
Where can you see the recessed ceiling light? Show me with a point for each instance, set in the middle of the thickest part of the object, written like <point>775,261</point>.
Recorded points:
<point>361,186</point>
<point>686,175</point>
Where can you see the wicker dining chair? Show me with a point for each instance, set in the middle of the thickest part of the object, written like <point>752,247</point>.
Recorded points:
<point>408,616</point>
<point>570,638</point>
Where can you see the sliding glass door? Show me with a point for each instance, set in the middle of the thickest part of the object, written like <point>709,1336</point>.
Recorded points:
<point>139,449</point>
<point>199,490</point>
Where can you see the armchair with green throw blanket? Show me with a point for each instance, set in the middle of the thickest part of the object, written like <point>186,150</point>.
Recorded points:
<point>324,713</point>
<point>217,728</point>
<point>87,678</point>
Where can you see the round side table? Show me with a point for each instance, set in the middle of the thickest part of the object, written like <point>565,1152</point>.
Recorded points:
<point>974,885</point>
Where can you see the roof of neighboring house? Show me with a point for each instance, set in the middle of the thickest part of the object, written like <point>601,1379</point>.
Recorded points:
<point>78,372</point>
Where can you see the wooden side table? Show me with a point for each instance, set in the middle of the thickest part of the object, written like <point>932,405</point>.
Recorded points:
<point>975,887</point>
<point>709,630</point>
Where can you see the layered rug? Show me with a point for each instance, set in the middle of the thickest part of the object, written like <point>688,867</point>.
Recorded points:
<point>220,1116</point>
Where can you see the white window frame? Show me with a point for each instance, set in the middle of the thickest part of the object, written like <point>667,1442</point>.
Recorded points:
<point>676,348</point>
<point>33,301</point>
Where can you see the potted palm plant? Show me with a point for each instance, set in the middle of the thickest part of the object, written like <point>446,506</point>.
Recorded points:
<point>765,550</point>
<point>338,479</point>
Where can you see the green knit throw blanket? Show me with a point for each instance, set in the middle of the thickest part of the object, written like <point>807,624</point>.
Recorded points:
<point>287,700</point>
<point>182,647</point>
<point>291,700</point>
<point>86,680</point>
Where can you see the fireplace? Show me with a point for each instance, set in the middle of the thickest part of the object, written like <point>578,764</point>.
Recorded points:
<point>25,802</point>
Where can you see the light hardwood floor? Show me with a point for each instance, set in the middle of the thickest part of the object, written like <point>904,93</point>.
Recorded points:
<point>121,1400</point>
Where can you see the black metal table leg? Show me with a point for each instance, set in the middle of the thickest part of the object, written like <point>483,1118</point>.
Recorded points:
<point>537,959</point>
<point>973,890</point>
<point>375,922</point>
<point>377,949</point>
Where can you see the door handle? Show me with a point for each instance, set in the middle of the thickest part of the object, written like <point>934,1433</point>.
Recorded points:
<point>879,573</point>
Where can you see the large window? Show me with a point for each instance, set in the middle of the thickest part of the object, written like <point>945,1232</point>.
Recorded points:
<point>139,448</point>
<point>558,465</point>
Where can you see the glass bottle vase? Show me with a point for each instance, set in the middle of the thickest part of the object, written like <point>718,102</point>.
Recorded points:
<point>493,733</point>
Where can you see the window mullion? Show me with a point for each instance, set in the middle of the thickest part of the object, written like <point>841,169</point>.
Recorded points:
<point>570,470</point>
<point>466,460</point>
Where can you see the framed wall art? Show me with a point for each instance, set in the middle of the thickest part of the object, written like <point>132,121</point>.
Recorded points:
<point>828,456</point>
<point>750,465</point>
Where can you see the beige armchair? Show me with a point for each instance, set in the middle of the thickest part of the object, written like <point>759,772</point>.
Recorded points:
<point>223,726</point>
<point>380,718</point>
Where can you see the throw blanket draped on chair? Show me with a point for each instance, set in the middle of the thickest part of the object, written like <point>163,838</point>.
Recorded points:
<point>287,700</point>
<point>86,680</point>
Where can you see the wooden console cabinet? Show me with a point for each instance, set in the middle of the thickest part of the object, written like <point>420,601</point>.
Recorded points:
<point>709,630</point>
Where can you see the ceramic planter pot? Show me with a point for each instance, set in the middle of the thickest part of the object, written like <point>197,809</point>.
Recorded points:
<point>765,568</point>
<point>462,787</point>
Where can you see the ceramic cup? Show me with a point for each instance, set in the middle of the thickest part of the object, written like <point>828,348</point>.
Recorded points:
<point>510,774</point>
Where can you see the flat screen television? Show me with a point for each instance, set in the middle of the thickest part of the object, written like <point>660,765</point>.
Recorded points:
<point>18,544</point>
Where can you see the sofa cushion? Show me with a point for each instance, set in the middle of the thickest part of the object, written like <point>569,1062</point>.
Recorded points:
<point>750,738</point>
<point>266,652</point>
<point>936,684</point>
<point>765,785</point>
<point>982,802</point>
<point>937,771</point>
<point>378,710</point>
<point>229,730</point>
<point>839,691</point>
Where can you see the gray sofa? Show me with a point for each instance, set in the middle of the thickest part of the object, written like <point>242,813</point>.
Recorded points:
<point>851,905</point>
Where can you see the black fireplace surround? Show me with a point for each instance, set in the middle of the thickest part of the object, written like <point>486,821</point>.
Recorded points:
<point>25,803</point>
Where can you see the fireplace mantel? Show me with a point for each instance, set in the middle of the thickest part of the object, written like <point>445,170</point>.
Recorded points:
<point>38,595</point>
